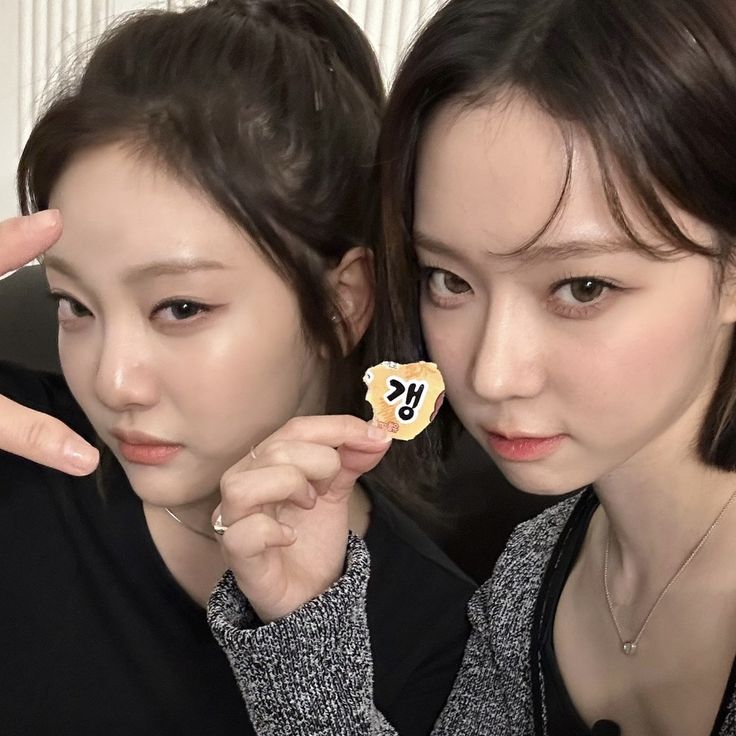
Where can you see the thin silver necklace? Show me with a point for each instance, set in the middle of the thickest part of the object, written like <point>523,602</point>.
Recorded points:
<point>191,528</point>
<point>629,646</point>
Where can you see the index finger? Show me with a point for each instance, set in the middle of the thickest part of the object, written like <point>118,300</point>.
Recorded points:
<point>44,439</point>
<point>334,431</point>
<point>24,238</point>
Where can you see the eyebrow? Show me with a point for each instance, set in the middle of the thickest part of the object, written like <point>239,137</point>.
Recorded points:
<point>176,267</point>
<point>537,253</point>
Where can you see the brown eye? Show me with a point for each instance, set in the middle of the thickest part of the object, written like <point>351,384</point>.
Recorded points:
<point>586,290</point>
<point>443,282</point>
<point>184,310</point>
<point>69,308</point>
<point>78,310</point>
<point>180,310</point>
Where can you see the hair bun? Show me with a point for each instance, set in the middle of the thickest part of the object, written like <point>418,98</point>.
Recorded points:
<point>335,38</point>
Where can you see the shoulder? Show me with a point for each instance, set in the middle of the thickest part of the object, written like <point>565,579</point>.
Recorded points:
<point>508,598</point>
<point>532,542</point>
<point>416,606</point>
<point>400,548</point>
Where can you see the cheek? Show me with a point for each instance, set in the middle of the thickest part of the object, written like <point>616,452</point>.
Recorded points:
<point>640,367</point>
<point>214,380</point>
<point>242,385</point>
<point>448,337</point>
<point>204,370</point>
<point>76,357</point>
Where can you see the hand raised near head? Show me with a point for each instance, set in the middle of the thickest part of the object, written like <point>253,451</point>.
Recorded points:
<point>25,432</point>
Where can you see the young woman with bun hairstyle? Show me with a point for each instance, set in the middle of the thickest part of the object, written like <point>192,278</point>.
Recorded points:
<point>203,200</point>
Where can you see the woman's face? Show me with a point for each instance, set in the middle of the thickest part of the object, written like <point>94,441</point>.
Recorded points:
<point>605,357</point>
<point>178,340</point>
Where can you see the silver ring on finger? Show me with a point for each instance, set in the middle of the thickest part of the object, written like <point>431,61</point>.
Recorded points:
<point>218,526</point>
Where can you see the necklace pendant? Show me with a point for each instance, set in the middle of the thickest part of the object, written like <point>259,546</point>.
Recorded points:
<point>629,647</point>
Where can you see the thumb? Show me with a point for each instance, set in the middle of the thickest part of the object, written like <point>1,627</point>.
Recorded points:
<point>356,461</point>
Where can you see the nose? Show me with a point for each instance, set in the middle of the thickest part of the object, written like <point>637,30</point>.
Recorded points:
<point>125,378</point>
<point>509,359</point>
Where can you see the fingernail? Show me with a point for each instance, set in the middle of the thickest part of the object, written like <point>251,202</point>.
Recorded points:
<point>312,493</point>
<point>378,434</point>
<point>289,531</point>
<point>80,455</point>
<point>42,221</point>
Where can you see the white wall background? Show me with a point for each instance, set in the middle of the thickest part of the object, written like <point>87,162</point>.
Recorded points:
<point>41,36</point>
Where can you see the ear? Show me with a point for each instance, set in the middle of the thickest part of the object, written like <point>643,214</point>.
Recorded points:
<point>727,307</point>
<point>352,285</point>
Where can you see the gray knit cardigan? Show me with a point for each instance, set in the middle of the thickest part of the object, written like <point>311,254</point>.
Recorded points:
<point>310,674</point>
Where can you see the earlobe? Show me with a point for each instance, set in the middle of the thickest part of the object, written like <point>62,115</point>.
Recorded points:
<point>352,284</point>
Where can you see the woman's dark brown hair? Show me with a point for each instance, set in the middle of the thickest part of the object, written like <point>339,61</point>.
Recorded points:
<point>271,108</point>
<point>651,83</point>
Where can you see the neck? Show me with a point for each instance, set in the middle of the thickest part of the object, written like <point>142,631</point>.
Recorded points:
<point>196,515</point>
<point>195,562</point>
<point>656,518</point>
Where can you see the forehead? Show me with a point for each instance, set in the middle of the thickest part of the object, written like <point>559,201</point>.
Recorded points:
<point>492,176</point>
<point>123,207</point>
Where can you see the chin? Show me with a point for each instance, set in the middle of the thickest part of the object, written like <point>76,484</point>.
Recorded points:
<point>159,486</point>
<point>540,481</point>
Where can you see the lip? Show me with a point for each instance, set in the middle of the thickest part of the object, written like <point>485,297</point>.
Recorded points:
<point>145,449</point>
<point>523,448</point>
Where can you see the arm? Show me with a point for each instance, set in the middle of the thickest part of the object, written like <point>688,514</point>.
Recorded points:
<point>310,673</point>
<point>291,614</point>
<point>477,703</point>
<point>493,693</point>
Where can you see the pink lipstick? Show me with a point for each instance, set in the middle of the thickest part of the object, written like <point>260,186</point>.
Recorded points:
<point>144,449</point>
<point>523,449</point>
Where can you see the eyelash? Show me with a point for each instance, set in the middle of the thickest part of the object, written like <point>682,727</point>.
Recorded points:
<point>58,298</point>
<point>200,307</point>
<point>170,303</point>
<point>426,273</point>
<point>581,310</point>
